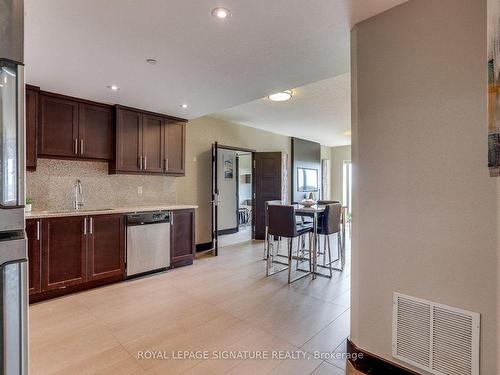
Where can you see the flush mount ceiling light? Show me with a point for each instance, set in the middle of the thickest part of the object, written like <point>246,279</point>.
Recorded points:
<point>152,61</point>
<point>282,96</point>
<point>183,105</point>
<point>113,88</point>
<point>221,13</point>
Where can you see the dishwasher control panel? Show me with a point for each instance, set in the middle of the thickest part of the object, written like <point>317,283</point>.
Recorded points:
<point>142,218</point>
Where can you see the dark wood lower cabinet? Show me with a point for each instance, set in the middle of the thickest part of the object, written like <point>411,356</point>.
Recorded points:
<point>33,234</point>
<point>70,254</point>
<point>182,238</point>
<point>64,252</point>
<point>106,247</point>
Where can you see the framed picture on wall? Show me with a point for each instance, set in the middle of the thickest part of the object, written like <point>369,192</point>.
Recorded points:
<point>228,168</point>
<point>494,87</point>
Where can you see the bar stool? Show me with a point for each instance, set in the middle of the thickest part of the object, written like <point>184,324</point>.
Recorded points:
<point>328,225</point>
<point>266,239</point>
<point>282,222</point>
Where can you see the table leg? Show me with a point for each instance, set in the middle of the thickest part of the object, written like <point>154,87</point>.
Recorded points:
<point>315,244</point>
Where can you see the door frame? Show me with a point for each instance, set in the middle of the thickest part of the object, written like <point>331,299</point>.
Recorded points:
<point>215,232</point>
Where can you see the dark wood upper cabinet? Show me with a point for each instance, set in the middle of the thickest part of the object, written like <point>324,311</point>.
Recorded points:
<point>128,141</point>
<point>175,140</point>
<point>96,131</point>
<point>148,143</point>
<point>31,126</point>
<point>106,246</point>
<point>182,237</point>
<point>74,128</point>
<point>33,234</point>
<point>64,252</point>
<point>57,127</point>
<point>152,144</point>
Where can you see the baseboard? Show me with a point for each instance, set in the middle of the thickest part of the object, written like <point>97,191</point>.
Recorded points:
<point>227,231</point>
<point>204,246</point>
<point>369,363</point>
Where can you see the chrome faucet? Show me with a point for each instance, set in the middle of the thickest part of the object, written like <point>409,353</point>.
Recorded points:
<point>78,202</point>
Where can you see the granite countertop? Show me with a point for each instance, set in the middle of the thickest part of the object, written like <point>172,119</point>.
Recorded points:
<point>104,211</point>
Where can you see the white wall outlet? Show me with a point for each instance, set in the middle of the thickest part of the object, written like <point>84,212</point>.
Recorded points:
<point>139,190</point>
<point>195,159</point>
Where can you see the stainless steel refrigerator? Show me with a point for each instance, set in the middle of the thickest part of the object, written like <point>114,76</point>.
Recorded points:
<point>13,251</point>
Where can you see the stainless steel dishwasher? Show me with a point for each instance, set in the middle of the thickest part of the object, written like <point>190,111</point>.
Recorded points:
<point>148,242</point>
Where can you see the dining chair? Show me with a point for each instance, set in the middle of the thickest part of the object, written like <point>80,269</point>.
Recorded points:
<point>267,204</point>
<point>282,223</point>
<point>309,222</point>
<point>330,224</point>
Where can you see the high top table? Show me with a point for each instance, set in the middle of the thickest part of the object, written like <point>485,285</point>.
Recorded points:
<point>315,212</point>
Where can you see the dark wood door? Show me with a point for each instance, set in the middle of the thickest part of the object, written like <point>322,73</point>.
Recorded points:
<point>175,138</point>
<point>57,127</point>
<point>267,186</point>
<point>128,141</point>
<point>33,232</point>
<point>152,143</point>
<point>182,241</point>
<point>31,126</point>
<point>106,247</point>
<point>96,131</point>
<point>64,252</point>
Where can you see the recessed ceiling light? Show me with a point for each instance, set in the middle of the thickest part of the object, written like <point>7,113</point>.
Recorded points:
<point>281,96</point>
<point>113,87</point>
<point>151,61</point>
<point>221,13</point>
<point>183,105</point>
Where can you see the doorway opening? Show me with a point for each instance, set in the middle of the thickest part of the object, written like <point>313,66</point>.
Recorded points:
<point>235,228</point>
<point>232,195</point>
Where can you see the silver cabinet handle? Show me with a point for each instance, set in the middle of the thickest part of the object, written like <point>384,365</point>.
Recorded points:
<point>145,162</point>
<point>84,226</point>
<point>166,164</point>
<point>76,146</point>
<point>140,163</point>
<point>38,230</point>
<point>171,218</point>
<point>91,225</point>
<point>81,146</point>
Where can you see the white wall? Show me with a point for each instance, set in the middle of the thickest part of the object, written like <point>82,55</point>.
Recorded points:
<point>338,156</point>
<point>425,208</point>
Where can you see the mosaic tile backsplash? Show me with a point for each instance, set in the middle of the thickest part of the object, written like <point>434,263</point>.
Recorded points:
<point>52,186</point>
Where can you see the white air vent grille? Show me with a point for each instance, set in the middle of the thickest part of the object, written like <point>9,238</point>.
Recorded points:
<point>440,339</point>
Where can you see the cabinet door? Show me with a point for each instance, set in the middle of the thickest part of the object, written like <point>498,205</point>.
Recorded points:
<point>152,143</point>
<point>57,127</point>
<point>182,242</point>
<point>64,252</point>
<point>95,131</point>
<point>33,232</point>
<point>106,246</point>
<point>31,127</point>
<point>174,147</point>
<point>128,141</point>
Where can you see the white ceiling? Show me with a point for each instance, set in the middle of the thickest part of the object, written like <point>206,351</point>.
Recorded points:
<point>78,47</point>
<point>319,112</point>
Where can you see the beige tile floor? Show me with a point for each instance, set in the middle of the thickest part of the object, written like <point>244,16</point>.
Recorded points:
<point>221,304</point>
